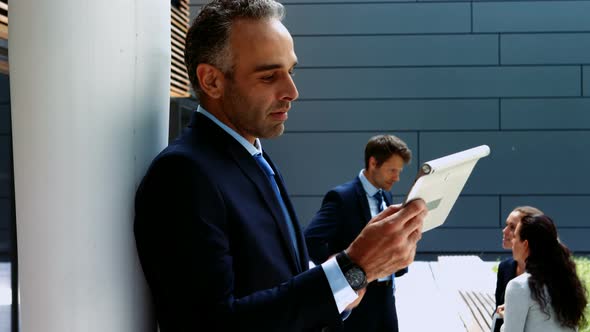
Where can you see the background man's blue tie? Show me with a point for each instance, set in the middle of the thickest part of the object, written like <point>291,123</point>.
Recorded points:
<point>275,187</point>
<point>379,198</point>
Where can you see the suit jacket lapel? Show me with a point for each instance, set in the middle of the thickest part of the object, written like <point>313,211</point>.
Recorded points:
<point>304,258</point>
<point>250,168</point>
<point>362,198</point>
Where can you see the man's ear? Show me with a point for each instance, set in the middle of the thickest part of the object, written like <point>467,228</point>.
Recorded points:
<point>211,80</point>
<point>372,162</point>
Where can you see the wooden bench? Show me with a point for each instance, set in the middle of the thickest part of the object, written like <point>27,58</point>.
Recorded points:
<point>481,306</point>
<point>471,283</point>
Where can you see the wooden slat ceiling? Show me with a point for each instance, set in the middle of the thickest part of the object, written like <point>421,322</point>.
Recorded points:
<point>179,82</point>
<point>179,13</point>
<point>4,37</point>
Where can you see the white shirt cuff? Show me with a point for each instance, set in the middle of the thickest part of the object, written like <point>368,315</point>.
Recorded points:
<point>343,293</point>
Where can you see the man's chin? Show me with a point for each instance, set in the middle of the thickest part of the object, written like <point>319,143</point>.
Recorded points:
<point>276,131</point>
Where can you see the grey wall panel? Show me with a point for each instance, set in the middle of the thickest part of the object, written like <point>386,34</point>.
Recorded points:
<point>5,174</point>
<point>4,119</point>
<point>475,240</point>
<point>533,16</point>
<point>438,82</point>
<point>392,18</point>
<point>575,239</point>
<point>489,240</point>
<point>391,115</point>
<point>313,163</point>
<point>545,48</point>
<point>374,51</point>
<point>306,207</point>
<point>194,10</point>
<point>586,74</point>
<point>566,211</point>
<point>554,113</point>
<point>521,163</point>
<point>514,77</point>
<point>474,212</point>
<point>468,212</point>
<point>309,18</point>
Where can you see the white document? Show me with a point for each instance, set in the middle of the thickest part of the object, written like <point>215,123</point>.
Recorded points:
<point>440,181</point>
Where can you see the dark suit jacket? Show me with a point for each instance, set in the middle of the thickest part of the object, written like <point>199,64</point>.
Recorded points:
<point>213,243</point>
<point>343,215</point>
<point>506,272</point>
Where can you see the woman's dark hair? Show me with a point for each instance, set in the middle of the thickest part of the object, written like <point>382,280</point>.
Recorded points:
<point>553,271</point>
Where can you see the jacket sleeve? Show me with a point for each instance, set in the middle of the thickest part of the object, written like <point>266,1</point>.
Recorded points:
<point>323,228</point>
<point>501,283</point>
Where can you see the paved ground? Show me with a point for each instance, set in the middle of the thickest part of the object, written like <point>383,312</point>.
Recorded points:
<point>427,298</point>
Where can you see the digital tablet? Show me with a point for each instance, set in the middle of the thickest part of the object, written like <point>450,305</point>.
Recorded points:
<point>440,181</point>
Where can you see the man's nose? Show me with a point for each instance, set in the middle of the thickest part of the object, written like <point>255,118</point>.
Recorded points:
<point>289,90</point>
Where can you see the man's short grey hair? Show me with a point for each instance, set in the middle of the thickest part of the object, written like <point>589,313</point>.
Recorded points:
<point>207,40</point>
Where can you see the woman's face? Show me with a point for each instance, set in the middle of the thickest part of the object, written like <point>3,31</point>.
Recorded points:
<point>520,248</point>
<point>508,231</point>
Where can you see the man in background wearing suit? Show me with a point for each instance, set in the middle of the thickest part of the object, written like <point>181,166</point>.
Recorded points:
<point>346,210</point>
<point>216,233</point>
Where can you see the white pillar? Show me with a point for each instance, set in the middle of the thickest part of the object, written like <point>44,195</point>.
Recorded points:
<point>89,98</point>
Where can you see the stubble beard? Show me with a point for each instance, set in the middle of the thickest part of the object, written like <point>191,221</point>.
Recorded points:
<point>244,115</point>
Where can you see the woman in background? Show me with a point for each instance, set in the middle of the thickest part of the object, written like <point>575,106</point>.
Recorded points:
<point>508,268</point>
<point>549,296</point>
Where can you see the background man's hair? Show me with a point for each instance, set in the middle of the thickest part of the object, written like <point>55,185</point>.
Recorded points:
<point>382,147</point>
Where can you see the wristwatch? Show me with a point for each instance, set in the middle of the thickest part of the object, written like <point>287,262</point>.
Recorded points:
<point>354,274</point>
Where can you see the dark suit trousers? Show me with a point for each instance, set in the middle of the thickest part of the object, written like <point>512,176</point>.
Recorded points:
<point>376,312</point>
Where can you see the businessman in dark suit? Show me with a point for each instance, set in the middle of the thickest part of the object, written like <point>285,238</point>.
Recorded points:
<point>216,233</point>
<point>344,213</point>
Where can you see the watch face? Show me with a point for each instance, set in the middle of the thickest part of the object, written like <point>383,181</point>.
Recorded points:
<point>356,278</point>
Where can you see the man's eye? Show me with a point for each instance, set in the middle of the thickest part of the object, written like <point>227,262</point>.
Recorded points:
<point>292,73</point>
<point>267,77</point>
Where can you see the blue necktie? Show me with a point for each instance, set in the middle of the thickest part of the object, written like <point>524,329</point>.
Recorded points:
<point>379,197</point>
<point>275,187</point>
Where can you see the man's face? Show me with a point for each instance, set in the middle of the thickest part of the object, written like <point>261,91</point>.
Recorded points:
<point>508,231</point>
<point>258,95</point>
<point>385,175</point>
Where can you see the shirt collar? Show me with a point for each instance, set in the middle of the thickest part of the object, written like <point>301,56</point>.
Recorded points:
<point>253,149</point>
<point>370,189</point>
